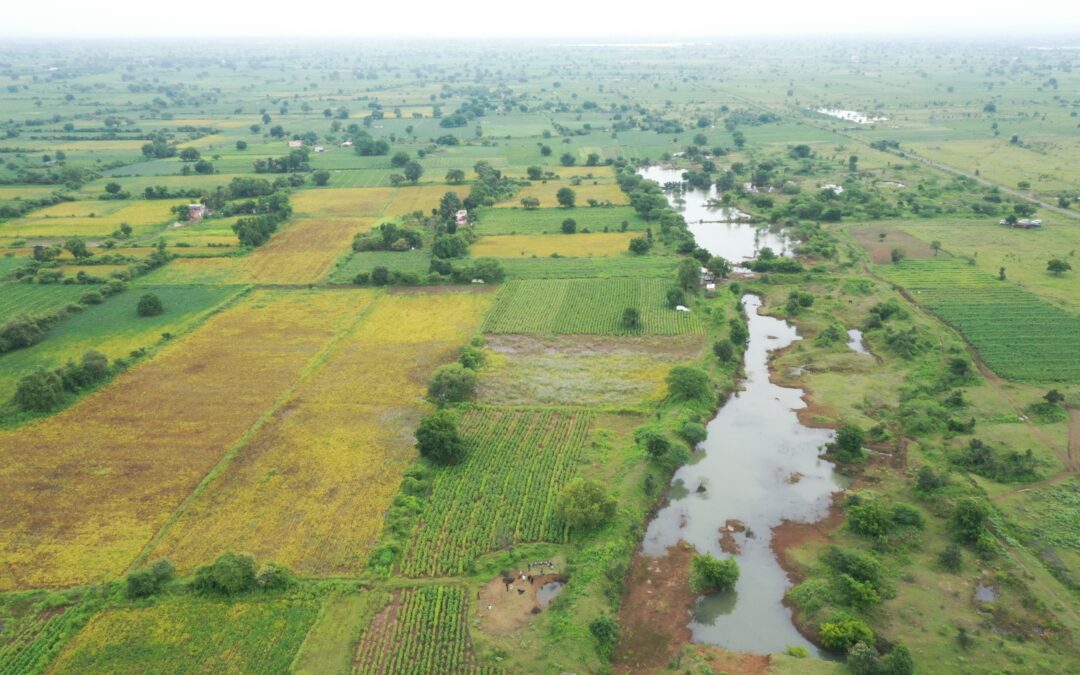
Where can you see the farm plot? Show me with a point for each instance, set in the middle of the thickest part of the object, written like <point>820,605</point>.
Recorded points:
<point>36,299</point>
<point>549,221</point>
<point>640,267</point>
<point>85,490</point>
<point>192,634</point>
<point>309,489</point>
<point>1019,335</point>
<point>608,371</point>
<point>91,219</point>
<point>587,306</point>
<point>424,630</point>
<point>416,262</point>
<point>221,270</point>
<point>544,245</point>
<point>304,251</point>
<point>421,198</point>
<point>348,202</point>
<point>546,193</point>
<point>505,491</point>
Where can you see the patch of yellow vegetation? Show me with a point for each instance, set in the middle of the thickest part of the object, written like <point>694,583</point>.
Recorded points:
<point>604,191</point>
<point>92,218</point>
<point>226,270</point>
<point>84,491</point>
<point>310,489</point>
<point>421,198</point>
<point>348,202</point>
<point>304,251</point>
<point>543,245</point>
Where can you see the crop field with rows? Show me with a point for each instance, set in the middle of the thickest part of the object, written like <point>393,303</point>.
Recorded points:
<point>424,630</point>
<point>654,266</point>
<point>544,245</point>
<point>587,307</point>
<point>1019,335</point>
<point>37,299</point>
<point>504,493</point>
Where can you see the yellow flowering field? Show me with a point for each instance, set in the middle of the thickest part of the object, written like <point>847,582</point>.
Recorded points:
<point>304,250</point>
<point>309,490</point>
<point>545,192</point>
<point>225,270</point>
<point>91,218</point>
<point>421,198</point>
<point>85,490</point>
<point>543,245</point>
<point>341,201</point>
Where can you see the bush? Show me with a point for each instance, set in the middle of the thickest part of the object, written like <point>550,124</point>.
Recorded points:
<point>869,520</point>
<point>471,357</point>
<point>569,226</point>
<point>676,297</point>
<point>724,350</point>
<point>451,383</point>
<point>146,582</point>
<point>687,383</point>
<point>640,245</point>
<point>841,635</point>
<point>847,446</point>
<point>606,631</point>
<point>149,305</point>
<point>40,391</point>
<point>91,298</point>
<point>709,574</point>
<point>906,515</point>
<point>437,438</point>
<point>969,519</point>
<point>952,559</point>
<point>230,574</point>
<point>274,577</point>
<point>585,504</point>
<point>653,441</point>
<point>693,432</point>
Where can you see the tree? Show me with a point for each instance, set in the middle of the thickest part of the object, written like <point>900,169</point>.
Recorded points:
<point>718,266</point>
<point>675,297</point>
<point>146,582</point>
<point>40,391</point>
<point>413,171</point>
<point>585,504</point>
<point>710,575</point>
<point>77,248</point>
<point>230,574</point>
<point>1057,266</point>
<point>567,159</point>
<point>847,446</point>
<point>606,631</point>
<point>530,203</point>
<point>399,159</point>
<point>241,145</point>
<point>631,319</point>
<point>853,163</point>
<point>455,176</point>
<point>841,635</point>
<point>936,246</point>
<point>189,155</point>
<point>321,177</point>
<point>380,276</point>
<point>1053,397</point>
<point>203,167</point>
<point>113,188</point>
<point>897,254</point>
<point>640,245</point>
<point>592,160</point>
<point>687,383</point>
<point>724,350</point>
<point>437,438</point>
<point>451,383</point>
<point>969,519</point>
<point>149,305</point>
<point>565,197</point>
<point>569,226</point>
<point>534,173</point>
<point>688,274</point>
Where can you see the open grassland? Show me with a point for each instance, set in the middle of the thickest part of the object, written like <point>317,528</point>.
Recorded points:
<point>86,489</point>
<point>190,634</point>
<point>545,192</point>
<point>113,328</point>
<point>505,491</point>
<point>343,202</point>
<point>549,221</point>
<point>416,262</point>
<point>424,630</point>
<point>587,306</point>
<point>91,218</point>
<point>640,267</point>
<point>582,371</point>
<point>1042,161</point>
<point>541,245</point>
<point>1019,335</point>
<point>36,299</point>
<point>309,489</point>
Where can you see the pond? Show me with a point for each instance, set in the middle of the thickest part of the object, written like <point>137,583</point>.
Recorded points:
<point>855,341</point>
<point>724,231</point>
<point>548,592</point>
<point>758,466</point>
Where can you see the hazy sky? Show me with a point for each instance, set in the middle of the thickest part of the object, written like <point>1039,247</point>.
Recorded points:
<point>545,18</point>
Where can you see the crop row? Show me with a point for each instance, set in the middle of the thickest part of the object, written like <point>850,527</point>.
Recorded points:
<point>36,645</point>
<point>424,631</point>
<point>590,268</point>
<point>587,307</point>
<point>36,299</point>
<point>504,493</point>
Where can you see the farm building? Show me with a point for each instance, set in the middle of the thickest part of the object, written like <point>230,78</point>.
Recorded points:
<point>462,217</point>
<point>196,211</point>
<point>296,144</point>
<point>1023,223</point>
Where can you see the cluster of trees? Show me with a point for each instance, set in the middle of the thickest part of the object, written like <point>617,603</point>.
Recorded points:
<point>236,573</point>
<point>387,237</point>
<point>45,390</point>
<point>271,210</point>
<point>366,146</point>
<point>295,162</point>
<point>1004,467</point>
<point>709,574</point>
<point>489,187</point>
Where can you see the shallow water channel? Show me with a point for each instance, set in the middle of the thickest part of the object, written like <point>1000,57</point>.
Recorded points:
<point>724,231</point>
<point>759,466</point>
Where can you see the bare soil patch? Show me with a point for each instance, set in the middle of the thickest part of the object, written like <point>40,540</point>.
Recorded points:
<point>505,608</point>
<point>880,250</point>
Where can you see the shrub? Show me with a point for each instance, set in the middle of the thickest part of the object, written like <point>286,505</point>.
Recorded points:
<point>724,350</point>
<point>676,297</point>
<point>693,432</point>
<point>640,245</point>
<point>969,519</point>
<point>631,318</point>
<point>847,446</point>
<point>91,298</point>
<point>230,574</point>
<point>951,558</point>
<point>451,383</point>
<point>906,515</point>
<point>653,440</point>
<point>585,504</point>
<point>841,635</point>
<point>274,577</point>
<point>687,383</point>
<point>606,631</point>
<point>869,520</point>
<point>928,481</point>
<point>709,574</point>
<point>471,357</point>
<point>437,438</point>
<point>569,226</point>
<point>149,305</point>
<point>40,391</point>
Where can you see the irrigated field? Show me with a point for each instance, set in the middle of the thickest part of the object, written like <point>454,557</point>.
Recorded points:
<point>587,306</point>
<point>642,266</point>
<point>309,489</point>
<point>504,493</point>
<point>424,630</point>
<point>119,462</point>
<point>344,202</point>
<point>36,299</point>
<point>1019,335</point>
<point>304,251</point>
<point>545,245</point>
<point>549,221</point>
<point>185,634</point>
<point>546,193</point>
